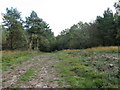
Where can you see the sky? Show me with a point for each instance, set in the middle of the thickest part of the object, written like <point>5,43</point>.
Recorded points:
<point>60,14</point>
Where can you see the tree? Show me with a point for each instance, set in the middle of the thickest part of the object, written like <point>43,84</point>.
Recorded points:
<point>13,24</point>
<point>94,36</point>
<point>117,7</point>
<point>35,27</point>
<point>107,28</point>
<point>40,35</point>
<point>1,39</point>
<point>74,38</point>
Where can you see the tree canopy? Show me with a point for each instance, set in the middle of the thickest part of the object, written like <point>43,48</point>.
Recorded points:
<point>34,33</point>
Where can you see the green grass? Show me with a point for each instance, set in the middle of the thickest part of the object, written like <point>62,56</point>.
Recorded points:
<point>27,76</point>
<point>88,68</point>
<point>10,58</point>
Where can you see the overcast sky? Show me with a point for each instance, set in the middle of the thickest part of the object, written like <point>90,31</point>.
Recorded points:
<point>60,14</point>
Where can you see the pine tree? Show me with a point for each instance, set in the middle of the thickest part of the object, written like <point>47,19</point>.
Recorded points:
<point>13,24</point>
<point>40,35</point>
<point>107,28</point>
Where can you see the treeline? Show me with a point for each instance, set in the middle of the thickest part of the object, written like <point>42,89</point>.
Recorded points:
<point>104,31</point>
<point>35,34</point>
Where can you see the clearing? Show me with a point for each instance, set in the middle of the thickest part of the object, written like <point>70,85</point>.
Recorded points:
<point>86,68</point>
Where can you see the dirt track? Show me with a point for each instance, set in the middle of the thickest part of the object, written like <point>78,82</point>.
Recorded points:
<point>45,73</point>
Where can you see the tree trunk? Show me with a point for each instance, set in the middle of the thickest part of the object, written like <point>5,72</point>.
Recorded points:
<point>37,43</point>
<point>11,44</point>
<point>30,44</point>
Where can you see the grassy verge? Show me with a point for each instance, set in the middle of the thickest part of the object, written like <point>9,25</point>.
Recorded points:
<point>10,58</point>
<point>89,68</point>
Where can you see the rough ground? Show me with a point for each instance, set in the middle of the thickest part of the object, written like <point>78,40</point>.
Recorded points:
<point>43,67</point>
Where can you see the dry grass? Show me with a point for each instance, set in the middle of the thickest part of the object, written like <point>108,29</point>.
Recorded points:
<point>104,48</point>
<point>71,50</point>
<point>6,52</point>
<point>107,48</point>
